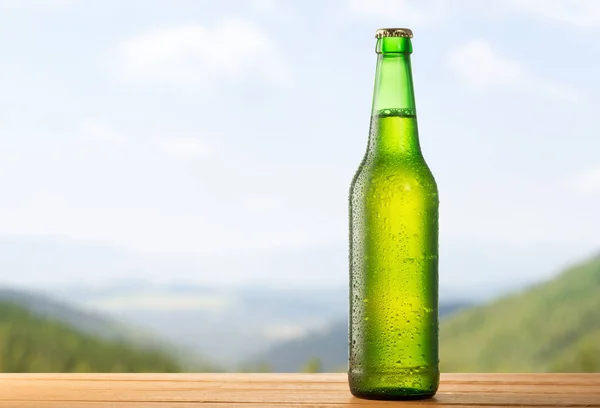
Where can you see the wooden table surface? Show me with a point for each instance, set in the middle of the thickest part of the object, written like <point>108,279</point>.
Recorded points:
<point>285,390</point>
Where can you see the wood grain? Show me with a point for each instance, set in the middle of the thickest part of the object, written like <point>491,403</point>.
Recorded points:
<point>285,390</point>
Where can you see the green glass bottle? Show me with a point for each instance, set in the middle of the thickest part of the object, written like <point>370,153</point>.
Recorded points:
<point>393,330</point>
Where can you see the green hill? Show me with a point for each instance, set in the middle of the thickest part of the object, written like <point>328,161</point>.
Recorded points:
<point>553,326</point>
<point>104,327</point>
<point>85,321</point>
<point>33,343</point>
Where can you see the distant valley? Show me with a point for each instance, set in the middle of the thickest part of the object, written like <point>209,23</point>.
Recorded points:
<point>328,346</point>
<point>99,292</point>
<point>551,326</point>
<point>228,324</point>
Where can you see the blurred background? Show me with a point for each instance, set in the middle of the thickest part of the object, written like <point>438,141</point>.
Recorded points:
<point>174,180</point>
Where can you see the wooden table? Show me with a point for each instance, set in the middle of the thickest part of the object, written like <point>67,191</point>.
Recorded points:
<point>284,390</point>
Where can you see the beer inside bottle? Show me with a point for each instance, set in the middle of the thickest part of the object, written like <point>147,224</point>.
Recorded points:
<point>393,331</point>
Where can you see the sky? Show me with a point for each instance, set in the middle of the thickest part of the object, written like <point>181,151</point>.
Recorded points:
<point>199,129</point>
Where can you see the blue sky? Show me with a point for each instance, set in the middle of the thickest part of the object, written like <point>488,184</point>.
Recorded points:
<point>199,128</point>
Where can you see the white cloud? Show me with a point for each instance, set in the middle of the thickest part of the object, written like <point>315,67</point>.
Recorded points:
<point>559,92</point>
<point>588,181</point>
<point>166,301</point>
<point>284,332</point>
<point>576,13</point>
<point>266,6</point>
<point>411,12</point>
<point>99,131</point>
<point>197,55</point>
<point>184,147</point>
<point>481,68</point>
<point>580,13</point>
<point>34,4</point>
<point>263,203</point>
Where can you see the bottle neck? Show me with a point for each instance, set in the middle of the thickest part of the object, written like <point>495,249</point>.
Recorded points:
<point>393,77</point>
<point>394,99</point>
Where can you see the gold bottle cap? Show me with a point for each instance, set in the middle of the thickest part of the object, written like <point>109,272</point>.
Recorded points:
<point>394,32</point>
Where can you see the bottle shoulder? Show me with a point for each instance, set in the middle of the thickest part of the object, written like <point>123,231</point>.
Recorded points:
<point>400,174</point>
<point>400,168</point>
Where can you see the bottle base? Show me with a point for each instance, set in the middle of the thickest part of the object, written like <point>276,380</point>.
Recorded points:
<point>396,394</point>
<point>412,384</point>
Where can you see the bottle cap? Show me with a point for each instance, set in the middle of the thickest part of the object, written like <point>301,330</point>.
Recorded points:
<point>394,32</point>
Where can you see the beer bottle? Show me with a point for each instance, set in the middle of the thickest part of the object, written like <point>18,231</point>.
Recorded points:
<point>393,327</point>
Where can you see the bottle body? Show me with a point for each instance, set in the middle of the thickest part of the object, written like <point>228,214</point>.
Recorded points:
<point>393,330</point>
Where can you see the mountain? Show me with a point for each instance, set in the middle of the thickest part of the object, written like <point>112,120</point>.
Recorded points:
<point>34,343</point>
<point>329,346</point>
<point>49,262</point>
<point>229,324</point>
<point>86,321</point>
<point>235,305</point>
<point>552,326</point>
<point>98,325</point>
